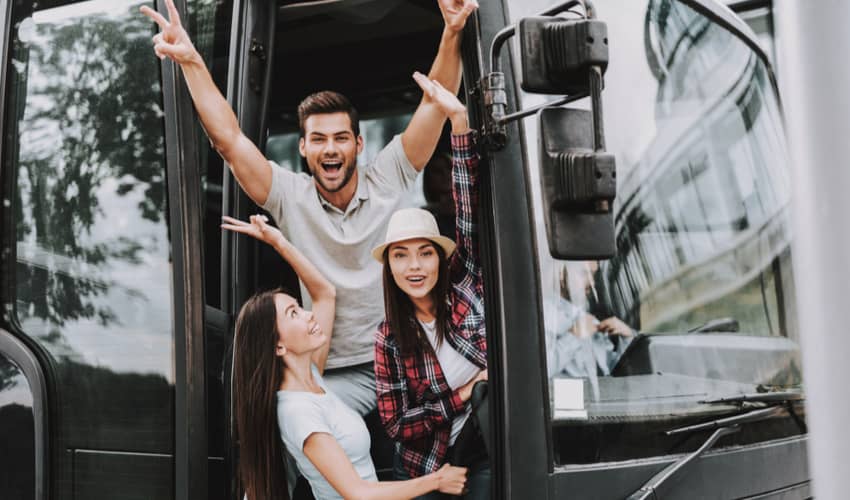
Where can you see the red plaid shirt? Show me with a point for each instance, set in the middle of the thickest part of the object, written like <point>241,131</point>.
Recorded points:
<point>415,402</point>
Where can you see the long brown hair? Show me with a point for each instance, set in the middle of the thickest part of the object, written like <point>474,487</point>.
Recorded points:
<point>400,313</point>
<point>257,375</point>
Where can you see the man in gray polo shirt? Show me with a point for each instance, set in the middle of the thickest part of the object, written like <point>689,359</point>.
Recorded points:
<point>340,213</point>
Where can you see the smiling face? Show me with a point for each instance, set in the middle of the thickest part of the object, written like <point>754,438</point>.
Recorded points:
<point>298,331</point>
<point>415,266</point>
<point>330,147</point>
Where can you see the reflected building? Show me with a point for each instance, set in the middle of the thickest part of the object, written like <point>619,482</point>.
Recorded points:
<point>703,227</point>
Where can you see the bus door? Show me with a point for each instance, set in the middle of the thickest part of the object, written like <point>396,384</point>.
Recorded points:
<point>97,284</point>
<point>700,280</point>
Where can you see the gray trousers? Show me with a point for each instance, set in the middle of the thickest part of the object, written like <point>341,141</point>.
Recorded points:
<point>354,385</point>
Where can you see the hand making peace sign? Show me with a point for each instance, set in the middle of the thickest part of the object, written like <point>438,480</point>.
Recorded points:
<point>172,41</point>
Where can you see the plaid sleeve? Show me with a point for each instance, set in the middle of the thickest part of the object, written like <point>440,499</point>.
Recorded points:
<point>465,264</point>
<point>402,420</point>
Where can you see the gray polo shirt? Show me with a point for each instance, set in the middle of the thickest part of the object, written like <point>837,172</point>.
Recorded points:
<point>339,243</point>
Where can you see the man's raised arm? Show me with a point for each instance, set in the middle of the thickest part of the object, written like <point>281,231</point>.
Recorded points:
<point>248,164</point>
<point>422,133</point>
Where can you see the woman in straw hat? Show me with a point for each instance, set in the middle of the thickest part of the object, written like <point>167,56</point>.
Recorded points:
<point>280,398</point>
<point>431,348</point>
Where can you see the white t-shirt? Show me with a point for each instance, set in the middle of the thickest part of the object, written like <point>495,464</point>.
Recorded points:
<point>301,414</point>
<point>456,369</point>
<point>340,243</point>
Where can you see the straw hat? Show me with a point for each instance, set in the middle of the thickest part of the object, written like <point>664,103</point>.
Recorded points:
<point>411,223</point>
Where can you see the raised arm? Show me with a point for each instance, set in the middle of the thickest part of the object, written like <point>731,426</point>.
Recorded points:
<point>321,291</point>
<point>331,461</point>
<point>422,133</point>
<point>248,164</point>
<point>465,264</point>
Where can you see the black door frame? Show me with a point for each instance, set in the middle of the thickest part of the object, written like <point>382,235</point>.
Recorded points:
<point>31,358</point>
<point>518,387</point>
<point>186,228</point>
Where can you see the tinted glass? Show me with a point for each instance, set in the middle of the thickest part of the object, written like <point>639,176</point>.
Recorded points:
<point>17,433</point>
<point>84,142</point>
<point>209,26</point>
<point>702,234</point>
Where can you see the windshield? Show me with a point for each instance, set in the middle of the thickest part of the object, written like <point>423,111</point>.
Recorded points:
<point>698,301</point>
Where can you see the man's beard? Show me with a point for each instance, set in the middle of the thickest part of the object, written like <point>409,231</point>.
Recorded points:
<point>348,173</point>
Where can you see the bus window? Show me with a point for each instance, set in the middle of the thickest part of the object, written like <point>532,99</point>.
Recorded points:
<point>84,158</point>
<point>703,238</point>
<point>209,26</point>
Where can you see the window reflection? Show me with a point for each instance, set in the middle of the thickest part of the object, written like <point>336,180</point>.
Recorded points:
<point>85,145</point>
<point>702,234</point>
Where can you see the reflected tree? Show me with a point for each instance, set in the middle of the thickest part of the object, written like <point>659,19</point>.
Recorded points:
<point>89,127</point>
<point>9,374</point>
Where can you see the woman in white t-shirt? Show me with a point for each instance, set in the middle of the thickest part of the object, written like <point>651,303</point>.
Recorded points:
<point>280,352</point>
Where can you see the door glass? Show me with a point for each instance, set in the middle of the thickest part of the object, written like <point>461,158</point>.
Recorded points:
<point>702,235</point>
<point>209,27</point>
<point>84,146</point>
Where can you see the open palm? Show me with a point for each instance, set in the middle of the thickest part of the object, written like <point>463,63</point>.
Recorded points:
<point>445,100</point>
<point>256,228</point>
<point>456,12</point>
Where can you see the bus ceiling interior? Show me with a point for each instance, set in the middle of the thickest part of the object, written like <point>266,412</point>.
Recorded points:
<point>364,49</point>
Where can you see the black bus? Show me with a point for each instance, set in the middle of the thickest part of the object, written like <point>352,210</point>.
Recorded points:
<point>119,289</point>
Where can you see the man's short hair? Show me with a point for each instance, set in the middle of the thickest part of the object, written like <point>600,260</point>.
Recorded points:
<point>324,102</point>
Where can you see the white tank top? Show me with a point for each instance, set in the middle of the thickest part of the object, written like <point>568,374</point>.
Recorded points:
<point>457,370</point>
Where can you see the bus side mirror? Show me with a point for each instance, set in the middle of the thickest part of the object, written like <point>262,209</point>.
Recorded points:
<point>579,185</point>
<point>557,54</point>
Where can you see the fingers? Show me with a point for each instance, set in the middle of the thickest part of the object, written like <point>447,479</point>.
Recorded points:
<point>155,16</point>
<point>426,84</point>
<point>259,221</point>
<point>468,8</point>
<point>236,225</point>
<point>172,12</point>
<point>237,229</point>
<point>231,220</point>
<point>164,49</point>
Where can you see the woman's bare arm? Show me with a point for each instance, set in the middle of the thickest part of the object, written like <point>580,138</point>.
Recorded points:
<point>321,291</point>
<point>331,461</point>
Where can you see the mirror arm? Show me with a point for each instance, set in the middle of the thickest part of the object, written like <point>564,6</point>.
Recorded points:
<point>494,95</point>
<point>550,104</point>
<point>596,83</point>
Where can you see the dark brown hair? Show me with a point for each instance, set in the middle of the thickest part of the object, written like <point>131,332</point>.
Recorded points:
<point>324,102</point>
<point>257,375</point>
<point>400,313</point>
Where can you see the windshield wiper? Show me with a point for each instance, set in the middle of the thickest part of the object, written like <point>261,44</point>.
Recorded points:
<point>734,420</point>
<point>760,397</point>
<point>723,426</point>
